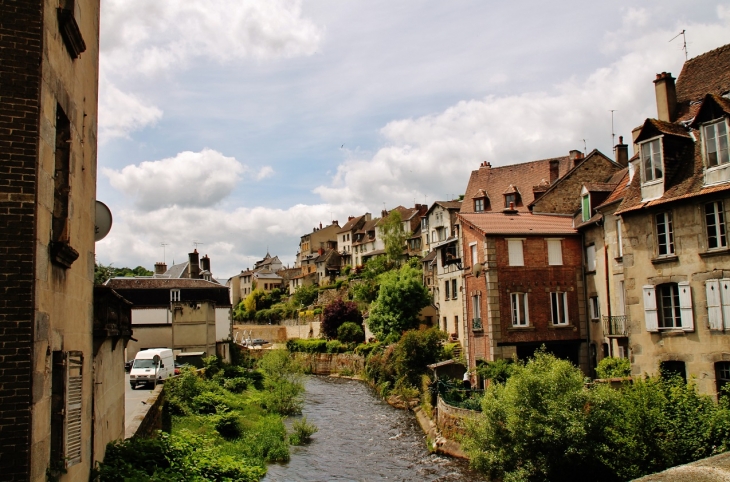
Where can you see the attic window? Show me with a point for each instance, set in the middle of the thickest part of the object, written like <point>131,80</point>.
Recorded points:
<point>510,199</point>
<point>586,207</point>
<point>651,160</point>
<point>479,205</point>
<point>716,148</point>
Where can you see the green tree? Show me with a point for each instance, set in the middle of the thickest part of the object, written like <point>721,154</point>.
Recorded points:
<point>350,332</point>
<point>400,299</point>
<point>305,295</point>
<point>337,313</point>
<point>611,367</point>
<point>254,301</point>
<point>394,236</point>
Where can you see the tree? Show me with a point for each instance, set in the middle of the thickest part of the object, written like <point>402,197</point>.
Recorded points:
<point>350,332</point>
<point>103,273</point>
<point>305,295</point>
<point>337,313</point>
<point>394,236</point>
<point>255,300</point>
<point>400,299</point>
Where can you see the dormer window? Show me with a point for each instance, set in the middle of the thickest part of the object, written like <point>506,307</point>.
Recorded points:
<point>586,207</point>
<point>510,200</point>
<point>716,149</point>
<point>479,205</point>
<point>651,160</point>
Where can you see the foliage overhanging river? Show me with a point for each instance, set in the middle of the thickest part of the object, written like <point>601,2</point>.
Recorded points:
<point>362,438</point>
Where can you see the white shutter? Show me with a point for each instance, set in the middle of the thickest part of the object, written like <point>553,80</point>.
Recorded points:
<point>591,258</point>
<point>714,308</point>
<point>685,306</point>
<point>555,252</point>
<point>725,300</point>
<point>650,314</point>
<point>515,252</point>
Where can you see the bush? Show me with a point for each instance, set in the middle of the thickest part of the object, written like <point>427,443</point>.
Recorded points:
<point>336,346</point>
<point>283,383</point>
<point>306,346</point>
<point>208,402</point>
<point>366,349</point>
<point>350,332</point>
<point>236,385</point>
<point>228,425</point>
<point>611,367</point>
<point>497,371</point>
<point>317,311</point>
<point>303,432</point>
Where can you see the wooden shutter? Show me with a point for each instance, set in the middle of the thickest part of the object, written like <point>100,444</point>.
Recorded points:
<point>555,252</point>
<point>650,314</point>
<point>591,258</point>
<point>714,307</point>
<point>725,300</point>
<point>685,306</point>
<point>515,252</point>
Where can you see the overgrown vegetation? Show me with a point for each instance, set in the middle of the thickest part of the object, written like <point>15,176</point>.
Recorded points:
<point>226,425</point>
<point>544,423</point>
<point>103,273</point>
<point>611,367</point>
<point>336,314</point>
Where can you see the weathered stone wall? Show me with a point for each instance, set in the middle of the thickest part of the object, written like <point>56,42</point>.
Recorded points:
<point>450,420</point>
<point>278,333</point>
<point>329,363</point>
<point>148,418</point>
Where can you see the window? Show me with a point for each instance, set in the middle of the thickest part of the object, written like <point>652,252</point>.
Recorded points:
<point>591,258</point>
<point>595,308</point>
<point>174,295</point>
<point>651,160</point>
<point>516,257</point>
<point>559,307</point>
<point>510,199</point>
<point>715,220</point>
<point>476,323</point>
<point>474,259</point>
<point>555,252</point>
<point>453,288</point>
<point>424,224</point>
<point>479,205</point>
<point>668,306</point>
<point>446,327</point>
<point>520,313</point>
<point>66,407</point>
<point>716,143</point>
<point>722,375</point>
<point>671,369</point>
<point>446,289</point>
<point>665,234</point>
<point>619,239</point>
<point>586,207</point>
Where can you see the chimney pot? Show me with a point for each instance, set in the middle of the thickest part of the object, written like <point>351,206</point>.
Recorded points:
<point>666,97</point>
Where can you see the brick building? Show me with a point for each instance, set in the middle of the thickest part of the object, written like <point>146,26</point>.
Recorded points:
<point>61,349</point>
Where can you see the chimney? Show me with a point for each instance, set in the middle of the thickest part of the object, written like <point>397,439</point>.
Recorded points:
<point>350,218</point>
<point>554,170</point>
<point>383,213</point>
<point>622,152</point>
<point>368,217</point>
<point>160,268</point>
<point>193,266</point>
<point>205,263</point>
<point>666,97</point>
<point>320,225</point>
<point>575,157</point>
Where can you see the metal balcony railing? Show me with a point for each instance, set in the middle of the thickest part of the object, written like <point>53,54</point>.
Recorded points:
<point>476,324</point>
<point>616,325</point>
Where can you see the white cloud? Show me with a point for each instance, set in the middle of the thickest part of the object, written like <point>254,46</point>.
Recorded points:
<point>121,113</point>
<point>264,172</point>
<point>188,179</point>
<point>149,37</point>
<point>433,154</point>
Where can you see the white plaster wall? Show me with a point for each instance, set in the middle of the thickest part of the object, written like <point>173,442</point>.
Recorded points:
<point>223,325</point>
<point>150,316</point>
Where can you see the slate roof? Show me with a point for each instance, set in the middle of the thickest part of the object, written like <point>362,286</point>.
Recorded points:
<point>522,177</point>
<point>654,127</point>
<point>176,270</point>
<point>621,179</point>
<point>146,292</point>
<point>519,224</point>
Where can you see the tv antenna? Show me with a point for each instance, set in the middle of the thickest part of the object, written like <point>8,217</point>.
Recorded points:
<point>197,243</point>
<point>684,43</point>
<point>584,147</point>
<point>613,134</point>
<point>164,245</point>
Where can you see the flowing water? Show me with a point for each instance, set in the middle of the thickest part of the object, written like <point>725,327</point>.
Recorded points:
<point>362,438</point>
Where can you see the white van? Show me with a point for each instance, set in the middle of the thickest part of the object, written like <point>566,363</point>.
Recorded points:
<point>150,365</point>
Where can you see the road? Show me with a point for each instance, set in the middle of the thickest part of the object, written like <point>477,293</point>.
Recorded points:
<point>133,399</point>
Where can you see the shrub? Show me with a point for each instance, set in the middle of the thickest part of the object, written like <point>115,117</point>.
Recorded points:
<point>611,367</point>
<point>350,332</point>
<point>366,349</point>
<point>208,402</point>
<point>236,385</point>
<point>303,432</point>
<point>317,311</point>
<point>306,346</point>
<point>497,371</point>
<point>336,346</point>
<point>228,425</point>
<point>415,350</point>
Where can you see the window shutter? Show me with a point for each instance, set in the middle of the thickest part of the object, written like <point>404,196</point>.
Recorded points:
<point>591,258</point>
<point>527,310</point>
<point>515,252</point>
<point>74,385</point>
<point>555,252</point>
<point>650,314</point>
<point>725,300</point>
<point>714,308</point>
<point>685,306</point>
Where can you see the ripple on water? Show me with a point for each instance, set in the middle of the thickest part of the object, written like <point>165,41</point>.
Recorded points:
<point>362,438</point>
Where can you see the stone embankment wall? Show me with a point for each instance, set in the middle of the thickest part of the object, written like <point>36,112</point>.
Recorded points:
<point>278,333</point>
<point>451,420</point>
<point>329,363</point>
<point>148,417</point>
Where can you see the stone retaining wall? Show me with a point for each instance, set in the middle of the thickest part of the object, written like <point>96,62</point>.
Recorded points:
<point>148,417</point>
<point>329,363</point>
<point>450,419</point>
<point>278,333</point>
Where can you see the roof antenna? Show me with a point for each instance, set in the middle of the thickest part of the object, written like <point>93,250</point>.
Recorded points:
<point>613,134</point>
<point>584,147</point>
<point>197,243</point>
<point>684,43</point>
<point>163,251</point>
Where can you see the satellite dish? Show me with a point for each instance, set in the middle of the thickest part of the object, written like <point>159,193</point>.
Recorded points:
<point>103,222</point>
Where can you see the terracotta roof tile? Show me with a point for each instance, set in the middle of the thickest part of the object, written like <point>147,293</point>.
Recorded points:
<point>167,283</point>
<point>708,73</point>
<point>495,180</point>
<point>654,127</point>
<point>350,225</point>
<point>618,192</point>
<point>600,186</point>
<point>519,224</point>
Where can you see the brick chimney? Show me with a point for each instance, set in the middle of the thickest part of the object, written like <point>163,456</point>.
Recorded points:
<point>205,263</point>
<point>160,268</point>
<point>666,97</point>
<point>622,152</point>
<point>193,265</point>
<point>575,157</point>
<point>554,170</point>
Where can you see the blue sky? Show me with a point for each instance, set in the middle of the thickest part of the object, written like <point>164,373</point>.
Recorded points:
<point>243,124</point>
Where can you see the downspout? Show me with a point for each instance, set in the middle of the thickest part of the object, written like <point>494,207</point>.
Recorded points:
<point>585,298</point>
<point>608,284</point>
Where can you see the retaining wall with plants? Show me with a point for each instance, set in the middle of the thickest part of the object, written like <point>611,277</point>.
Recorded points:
<point>148,417</point>
<point>450,419</point>
<point>329,363</point>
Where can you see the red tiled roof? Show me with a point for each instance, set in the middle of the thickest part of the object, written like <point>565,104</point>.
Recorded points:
<point>653,127</point>
<point>167,283</point>
<point>495,180</point>
<point>350,225</point>
<point>600,186</point>
<point>622,179</point>
<point>708,73</point>
<point>521,223</point>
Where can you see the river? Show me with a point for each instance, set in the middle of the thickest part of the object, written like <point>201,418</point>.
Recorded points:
<point>362,438</point>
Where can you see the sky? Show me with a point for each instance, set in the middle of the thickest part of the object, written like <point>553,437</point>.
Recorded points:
<point>240,125</point>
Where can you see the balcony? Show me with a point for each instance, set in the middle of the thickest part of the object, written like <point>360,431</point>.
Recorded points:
<point>616,325</point>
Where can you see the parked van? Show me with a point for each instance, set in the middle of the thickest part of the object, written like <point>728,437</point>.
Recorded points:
<point>151,364</point>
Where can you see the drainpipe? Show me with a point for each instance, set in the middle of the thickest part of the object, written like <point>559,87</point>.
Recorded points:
<point>585,298</point>
<point>608,285</point>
